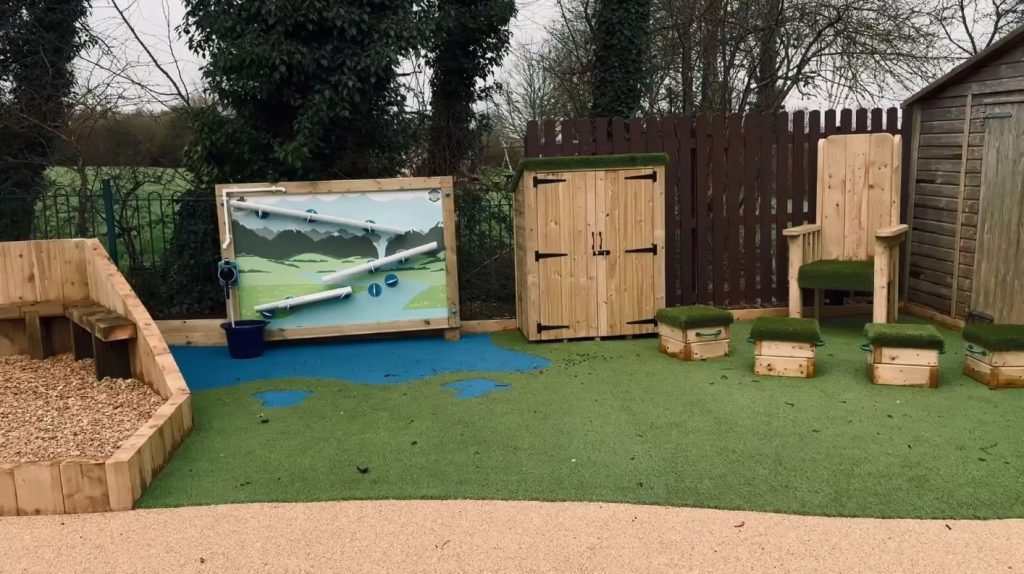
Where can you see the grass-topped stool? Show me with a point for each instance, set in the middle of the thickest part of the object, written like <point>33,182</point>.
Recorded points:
<point>694,333</point>
<point>995,355</point>
<point>784,347</point>
<point>903,355</point>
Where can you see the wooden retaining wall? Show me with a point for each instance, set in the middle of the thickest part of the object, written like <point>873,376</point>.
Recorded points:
<point>57,274</point>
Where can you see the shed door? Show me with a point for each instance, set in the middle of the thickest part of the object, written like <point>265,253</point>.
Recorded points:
<point>566,290</point>
<point>999,267</point>
<point>627,294</point>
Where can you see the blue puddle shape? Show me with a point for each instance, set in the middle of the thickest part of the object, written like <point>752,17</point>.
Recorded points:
<point>473,388</point>
<point>373,362</point>
<point>281,399</point>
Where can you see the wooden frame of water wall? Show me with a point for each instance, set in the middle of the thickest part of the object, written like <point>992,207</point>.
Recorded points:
<point>46,289</point>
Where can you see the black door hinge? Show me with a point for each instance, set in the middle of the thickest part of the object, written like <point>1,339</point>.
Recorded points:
<point>644,322</point>
<point>653,176</point>
<point>537,255</point>
<point>542,327</point>
<point>538,181</point>
<point>653,249</point>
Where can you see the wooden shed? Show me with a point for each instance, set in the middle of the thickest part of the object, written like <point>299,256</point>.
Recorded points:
<point>967,187</point>
<point>590,245</point>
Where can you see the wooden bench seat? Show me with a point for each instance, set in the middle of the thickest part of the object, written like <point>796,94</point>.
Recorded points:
<point>37,318</point>
<point>102,335</point>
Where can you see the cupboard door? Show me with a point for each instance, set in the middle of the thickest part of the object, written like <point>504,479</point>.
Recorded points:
<point>634,250</point>
<point>566,267</point>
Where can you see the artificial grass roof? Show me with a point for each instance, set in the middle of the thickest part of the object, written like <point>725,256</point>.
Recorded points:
<point>834,274</point>
<point>694,316</point>
<point>587,162</point>
<point>996,337</point>
<point>903,336</point>
<point>786,329</point>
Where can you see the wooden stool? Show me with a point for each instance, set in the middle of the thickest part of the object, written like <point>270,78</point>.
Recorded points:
<point>104,336</point>
<point>903,355</point>
<point>994,355</point>
<point>784,347</point>
<point>694,333</point>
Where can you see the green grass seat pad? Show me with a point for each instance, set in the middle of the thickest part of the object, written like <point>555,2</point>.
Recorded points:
<point>839,275</point>
<point>904,336</point>
<point>589,162</point>
<point>996,337</point>
<point>786,329</point>
<point>694,317</point>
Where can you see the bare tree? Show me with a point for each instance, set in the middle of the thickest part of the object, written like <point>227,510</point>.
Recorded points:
<point>970,26</point>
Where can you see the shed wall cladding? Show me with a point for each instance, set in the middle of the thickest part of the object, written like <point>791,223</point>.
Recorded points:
<point>941,176</point>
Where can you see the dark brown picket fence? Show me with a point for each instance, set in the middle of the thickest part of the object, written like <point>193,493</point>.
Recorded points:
<point>734,182</point>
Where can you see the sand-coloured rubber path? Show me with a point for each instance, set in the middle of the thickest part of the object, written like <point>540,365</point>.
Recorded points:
<point>481,536</point>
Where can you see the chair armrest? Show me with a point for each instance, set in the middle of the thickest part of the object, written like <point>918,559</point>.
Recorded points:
<point>895,232</point>
<point>801,230</point>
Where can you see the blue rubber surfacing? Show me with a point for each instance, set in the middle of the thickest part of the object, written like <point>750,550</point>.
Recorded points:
<point>379,362</point>
<point>281,399</point>
<point>474,388</point>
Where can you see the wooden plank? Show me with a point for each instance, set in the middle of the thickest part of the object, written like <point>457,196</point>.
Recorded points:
<point>38,339</point>
<point>905,356</point>
<point>620,144</point>
<point>112,359</point>
<point>960,200</point>
<point>751,155</point>
<point>670,217</point>
<point>602,135</point>
<point>856,196</point>
<point>637,141</point>
<point>701,198</point>
<point>716,208</point>
<point>766,191</point>
<point>657,209</point>
<point>549,146</point>
<point>831,197</point>
<point>709,350</point>
<point>84,484</point>
<point>784,367</point>
<point>706,334</point>
<point>784,349</point>
<point>813,137</point>
<point>904,375</point>
<point>880,190</point>
<point>39,488</point>
<point>800,214</point>
<point>687,193</point>
<point>531,142</point>
<point>783,187</point>
<point>8,491</point>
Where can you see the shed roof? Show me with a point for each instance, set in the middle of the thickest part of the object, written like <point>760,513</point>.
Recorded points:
<point>995,49</point>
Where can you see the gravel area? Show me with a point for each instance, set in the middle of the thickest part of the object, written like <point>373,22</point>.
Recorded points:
<point>482,536</point>
<point>56,408</point>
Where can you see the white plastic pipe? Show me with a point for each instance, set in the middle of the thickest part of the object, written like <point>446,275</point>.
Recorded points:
<point>354,223</point>
<point>306,299</point>
<point>378,263</point>
<point>227,214</point>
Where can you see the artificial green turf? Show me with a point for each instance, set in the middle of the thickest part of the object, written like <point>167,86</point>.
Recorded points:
<point>618,421</point>
<point>996,337</point>
<point>586,162</point>
<point>902,335</point>
<point>694,317</point>
<point>786,329</point>
<point>842,275</point>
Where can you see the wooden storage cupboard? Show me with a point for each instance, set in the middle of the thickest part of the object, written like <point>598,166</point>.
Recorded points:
<point>590,245</point>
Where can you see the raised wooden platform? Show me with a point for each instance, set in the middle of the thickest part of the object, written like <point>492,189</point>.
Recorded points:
<point>44,283</point>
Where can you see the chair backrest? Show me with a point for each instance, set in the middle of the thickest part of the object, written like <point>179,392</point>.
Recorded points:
<point>858,192</point>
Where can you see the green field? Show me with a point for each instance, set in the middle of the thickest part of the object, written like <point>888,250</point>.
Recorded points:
<point>617,421</point>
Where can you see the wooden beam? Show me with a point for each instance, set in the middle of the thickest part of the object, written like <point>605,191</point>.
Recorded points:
<point>960,203</point>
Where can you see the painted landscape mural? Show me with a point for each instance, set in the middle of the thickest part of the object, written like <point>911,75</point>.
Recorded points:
<point>285,256</point>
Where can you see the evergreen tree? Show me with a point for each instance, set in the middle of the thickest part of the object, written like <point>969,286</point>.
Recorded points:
<point>621,38</point>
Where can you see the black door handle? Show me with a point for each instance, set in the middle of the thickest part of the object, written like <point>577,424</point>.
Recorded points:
<point>591,240</point>
<point>600,236</point>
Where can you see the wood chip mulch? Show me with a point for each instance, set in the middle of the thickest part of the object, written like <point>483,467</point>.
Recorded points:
<point>56,409</point>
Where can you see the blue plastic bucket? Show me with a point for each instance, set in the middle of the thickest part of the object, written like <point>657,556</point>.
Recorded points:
<point>245,338</point>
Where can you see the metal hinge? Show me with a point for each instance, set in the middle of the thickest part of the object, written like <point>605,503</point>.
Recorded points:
<point>994,115</point>
<point>537,255</point>
<point>653,249</point>
<point>643,322</point>
<point>537,181</point>
<point>542,327</point>
<point>653,176</point>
